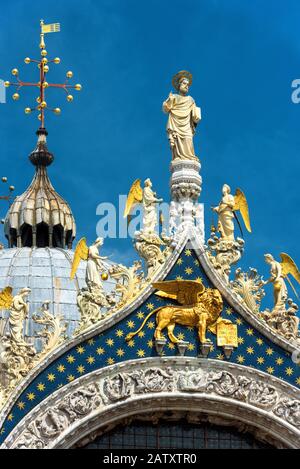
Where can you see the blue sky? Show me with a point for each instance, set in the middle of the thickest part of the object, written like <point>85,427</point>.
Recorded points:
<point>243,55</point>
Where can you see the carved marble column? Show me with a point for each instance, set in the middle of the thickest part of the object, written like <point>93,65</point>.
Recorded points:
<point>186,185</point>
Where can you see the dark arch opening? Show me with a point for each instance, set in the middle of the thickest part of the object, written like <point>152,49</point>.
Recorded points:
<point>42,235</point>
<point>26,235</point>
<point>58,236</point>
<point>12,237</point>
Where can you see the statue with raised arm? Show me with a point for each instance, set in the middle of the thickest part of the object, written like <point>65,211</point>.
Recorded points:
<point>95,266</point>
<point>279,273</point>
<point>224,249</point>
<point>92,298</point>
<point>147,241</point>
<point>149,200</point>
<point>95,263</point>
<point>184,116</point>
<point>283,316</point>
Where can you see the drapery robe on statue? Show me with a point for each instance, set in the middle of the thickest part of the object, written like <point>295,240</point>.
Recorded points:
<point>149,206</point>
<point>225,217</point>
<point>183,117</point>
<point>279,285</point>
<point>18,313</point>
<point>94,267</point>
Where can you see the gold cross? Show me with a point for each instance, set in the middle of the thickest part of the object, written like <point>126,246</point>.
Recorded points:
<point>43,84</point>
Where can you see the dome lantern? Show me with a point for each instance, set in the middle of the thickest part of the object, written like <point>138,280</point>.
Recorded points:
<point>40,217</point>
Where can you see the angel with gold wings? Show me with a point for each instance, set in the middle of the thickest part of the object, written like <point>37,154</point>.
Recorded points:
<point>279,273</point>
<point>95,263</point>
<point>146,196</point>
<point>198,307</point>
<point>226,212</point>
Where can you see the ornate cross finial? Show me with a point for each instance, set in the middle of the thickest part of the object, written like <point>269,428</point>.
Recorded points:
<point>43,84</point>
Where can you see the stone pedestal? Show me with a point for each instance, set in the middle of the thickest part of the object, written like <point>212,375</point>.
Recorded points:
<point>205,349</point>
<point>182,346</point>
<point>159,345</point>
<point>185,211</point>
<point>228,349</point>
<point>185,179</point>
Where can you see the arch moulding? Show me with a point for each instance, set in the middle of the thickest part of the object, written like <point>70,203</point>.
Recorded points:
<point>195,388</point>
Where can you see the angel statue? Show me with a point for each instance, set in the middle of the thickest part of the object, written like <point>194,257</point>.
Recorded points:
<point>148,197</point>
<point>279,273</point>
<point>18,312</point>
<point>184,116</point>
<point>198,307</point>
<point>226,212</point>
<point>93,298</point>
<point>95,263</point>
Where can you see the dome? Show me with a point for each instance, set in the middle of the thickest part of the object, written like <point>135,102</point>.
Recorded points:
<point>46,271</point>
<point>40,217</point>
<point>40,229</point>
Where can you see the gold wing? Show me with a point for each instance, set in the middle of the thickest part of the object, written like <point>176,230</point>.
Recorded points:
<point>289,267</point>
<point>184,291</point>
<point>6,298</point>
<point>135,196</point>
<point>81,253</point>
<point>241,204</point>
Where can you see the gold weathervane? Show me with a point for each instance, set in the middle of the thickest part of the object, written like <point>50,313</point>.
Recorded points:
<point>43,84</point>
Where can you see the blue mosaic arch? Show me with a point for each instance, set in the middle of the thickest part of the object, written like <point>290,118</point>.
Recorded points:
<point>108,348</point>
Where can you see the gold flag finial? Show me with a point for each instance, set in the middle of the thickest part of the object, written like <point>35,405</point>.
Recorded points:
<point>42,42</point>
<point>43,84</point>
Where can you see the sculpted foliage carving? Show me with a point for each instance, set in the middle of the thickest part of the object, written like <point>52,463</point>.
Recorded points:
<point>52,422</point>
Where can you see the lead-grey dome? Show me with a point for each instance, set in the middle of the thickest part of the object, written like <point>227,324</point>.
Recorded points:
<point>46,271</point>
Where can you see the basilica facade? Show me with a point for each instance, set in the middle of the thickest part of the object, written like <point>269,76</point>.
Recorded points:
<point>173,351</point>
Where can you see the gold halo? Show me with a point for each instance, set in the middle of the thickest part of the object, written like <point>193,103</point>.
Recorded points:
<point>179,76</point>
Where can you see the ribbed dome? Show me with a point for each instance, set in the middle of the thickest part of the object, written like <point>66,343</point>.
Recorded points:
<point>40,217</point>
<point>46,272</point>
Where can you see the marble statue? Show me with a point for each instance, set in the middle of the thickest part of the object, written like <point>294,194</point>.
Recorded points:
<point>283,316</point>
<point>277,279</point>
<point>95,265</point>
<point>19,310</point>
<point>149,205</point>
<point>184,116</point>
<point>226,212</point>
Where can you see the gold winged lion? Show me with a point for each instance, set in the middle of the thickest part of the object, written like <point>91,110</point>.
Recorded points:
<point>198,307</point>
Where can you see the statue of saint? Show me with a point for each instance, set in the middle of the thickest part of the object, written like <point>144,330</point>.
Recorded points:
<point>184,116</point>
